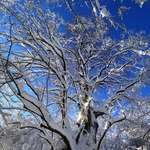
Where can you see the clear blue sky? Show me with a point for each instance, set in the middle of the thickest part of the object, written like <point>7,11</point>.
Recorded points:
<point>139,18</point>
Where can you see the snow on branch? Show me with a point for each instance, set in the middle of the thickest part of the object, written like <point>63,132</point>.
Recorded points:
<point>109,125</point>
<point>4,114</point>
<point>99,111</point>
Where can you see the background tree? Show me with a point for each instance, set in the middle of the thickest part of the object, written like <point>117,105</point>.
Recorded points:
<point>61,71</point>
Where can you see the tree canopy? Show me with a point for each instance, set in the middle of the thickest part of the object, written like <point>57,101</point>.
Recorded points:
<point>70,83</point>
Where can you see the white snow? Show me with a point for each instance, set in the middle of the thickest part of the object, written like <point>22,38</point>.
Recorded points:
<point>104,13</point>
<point>99,109</point>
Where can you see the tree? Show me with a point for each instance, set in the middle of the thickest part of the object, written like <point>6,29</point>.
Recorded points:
<point>14,138</point>
<point>133,133</point>
<point>60,70</point>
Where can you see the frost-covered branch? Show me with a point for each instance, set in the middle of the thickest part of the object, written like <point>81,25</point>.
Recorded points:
<point>67,77</point>
<point>109,125</point>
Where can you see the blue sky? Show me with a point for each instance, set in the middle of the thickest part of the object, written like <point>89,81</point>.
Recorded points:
<point>138,18</point>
